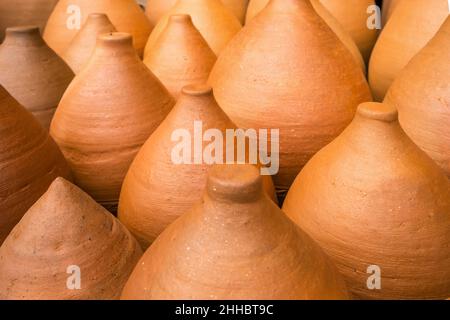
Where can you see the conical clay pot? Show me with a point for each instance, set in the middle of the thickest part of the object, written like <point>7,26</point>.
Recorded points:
<point>262,85</point>
<point>411,26</point>
<point>235,244</point>
<point>29,162</point>
<point>63,236</point>
<point>380,207</point>
<point>216,23</point>
<point>70,15</point>
<point>33,73</point>
<point>421,93</point>
<point>106,115</point>
<point>82,46</point>
<point>180,56</point>
<point>24,12</point>
<point>157,188</point>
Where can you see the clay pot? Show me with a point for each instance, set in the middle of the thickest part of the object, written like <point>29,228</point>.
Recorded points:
<point>66,234</point>
<point>262,85</point>
<point>394,216</point>
<point>156,9</point>
<point>180,56</point>
<point>235,244</point>
<point>69,15</point>
<point>29,162</point>
<point>33,73</point>
<point>216,23</point>
<point>387,9</point>
<point>411,26</point>
<point>24,12</point>
<point>422,95</point>
<point>157,189</point>
<point>82,46</point>
<point>106,115</point>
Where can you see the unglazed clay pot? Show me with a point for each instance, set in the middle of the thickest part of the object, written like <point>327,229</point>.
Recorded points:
<point>411,26</point>
<point>24,12</point>
<point>82,46</point>
<point>235,244</point>
<point>106,115</point>
<point>388,7</point>
<point>377,203</point>
<point>33,73</point>
<point>216,23</point>
<point>158,188</point>
<point>422,95</point>
<point>180,56</point>
<point>70,15</point>
<point>29,162</point>
<point>157,8</point>
<point>307,85</point>
<point>66,234</point>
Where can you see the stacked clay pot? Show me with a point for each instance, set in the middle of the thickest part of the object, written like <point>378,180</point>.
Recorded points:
<point>421,93</point>
<point>158,189</point>
<point>106,115</point>
<point>24,12</point>
<point>82,46</point>
<point>63,233</point>
<point>180,56</point>
<point>373,200</point>
<point>33,73</point>
<point>307,85</point>
<point>410,27</point>
<point>235,244</point>
<point>29,162</point>
<point>216,23</point>
<point>70,15</point>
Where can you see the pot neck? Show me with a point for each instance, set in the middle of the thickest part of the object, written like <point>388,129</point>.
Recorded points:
<point>114,45</point>
<point>26,36</point>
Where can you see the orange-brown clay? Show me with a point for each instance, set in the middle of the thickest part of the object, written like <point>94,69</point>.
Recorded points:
<point>374,201</point>
<point>66,234</point>
<point>234,244</point>
<point>29,162</point>
<point>33,73</point>
<point>107,114</point>
<point>388,7</point>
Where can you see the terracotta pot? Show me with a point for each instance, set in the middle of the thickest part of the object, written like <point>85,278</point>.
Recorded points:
<point>422,95</point>
<point>69,15</point>
<point>411,26</point>
<point>235,244</point>
<point>262,85</point>
<point>29,162</point>
<point>156,9</point>
<point>394,216</point>
<point>106,115</point>
<point>215,22</point>
<point>157,189</point>
<point>24,12</point>
<point>180,56</point>
<point>82,46</point>
<point>388,8</point>
<point>63,233</point>
<point>33,73</point>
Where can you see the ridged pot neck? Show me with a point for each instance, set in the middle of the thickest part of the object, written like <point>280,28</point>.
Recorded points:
<point>196,98</point>
<point>377,112</point>
<point>288,6</point>
<point>24,36</point>
<point>114,44</point>
<point>97,19</point>
<point>180,21</point>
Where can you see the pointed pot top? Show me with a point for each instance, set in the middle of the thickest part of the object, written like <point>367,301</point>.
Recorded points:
<point>23,35</point>
<point>378,111</point>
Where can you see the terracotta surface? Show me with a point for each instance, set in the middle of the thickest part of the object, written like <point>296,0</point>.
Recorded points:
<point>308,85</point>
<point>422,95</point>
<point>234,244</point>
<point>215,22</point>
<point>388,7</point>
<point>372,197</point>
<point>157,8</point>
<point>180,56</point>
<point>29,162</point>
<point>126,16</point>
<point>64,228</point>
<point>24,12</point>
<point>411,26</point>
<point>82,46</point>
<point>156,191</point>
<point>106,115</point>
<point>33,73</point>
